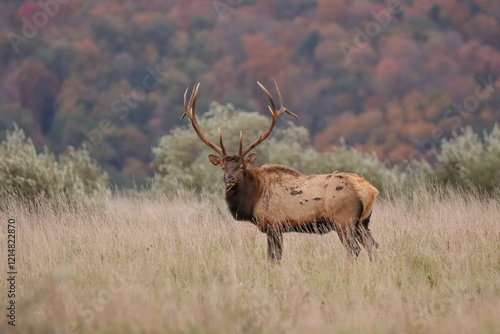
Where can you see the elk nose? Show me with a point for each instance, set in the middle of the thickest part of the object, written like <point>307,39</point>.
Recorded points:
<point>230,179</point>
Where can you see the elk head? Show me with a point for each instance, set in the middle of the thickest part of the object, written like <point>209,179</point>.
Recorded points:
<point>234,165</point>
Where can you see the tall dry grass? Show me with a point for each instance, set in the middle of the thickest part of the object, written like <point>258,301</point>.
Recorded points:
<point>140,265</point>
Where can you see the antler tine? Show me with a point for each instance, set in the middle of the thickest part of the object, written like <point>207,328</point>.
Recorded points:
<point>189,108</point>
<point>185,105</point>
<point>241,142</point>
<point>281,102</point>
<point>274,117</point>
<point>271,100</point>
<point>221,144</point>
<point>272,112</point>
<point>194,95</point>
<point>279,94</point>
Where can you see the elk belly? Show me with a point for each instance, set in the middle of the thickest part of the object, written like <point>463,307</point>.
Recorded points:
<point>292,206</point>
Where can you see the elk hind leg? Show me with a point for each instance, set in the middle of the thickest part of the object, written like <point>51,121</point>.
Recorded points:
<point>274,245</point>
<point>364,236</point>
<point>346,236</point>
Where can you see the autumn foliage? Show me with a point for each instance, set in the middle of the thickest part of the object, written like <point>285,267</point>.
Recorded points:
<point>392,78</point>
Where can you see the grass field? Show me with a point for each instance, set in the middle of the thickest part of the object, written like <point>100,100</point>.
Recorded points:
<point>182,265</point>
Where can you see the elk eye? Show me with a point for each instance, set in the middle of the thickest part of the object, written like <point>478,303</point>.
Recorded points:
<point>242,167</point>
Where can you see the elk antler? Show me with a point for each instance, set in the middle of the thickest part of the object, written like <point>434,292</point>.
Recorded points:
<point>274,117</point>
<point>189,111</point>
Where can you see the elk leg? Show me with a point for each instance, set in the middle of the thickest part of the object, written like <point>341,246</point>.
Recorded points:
<point>364,236</point>
<point>274,245</point>
<point>348,239</point>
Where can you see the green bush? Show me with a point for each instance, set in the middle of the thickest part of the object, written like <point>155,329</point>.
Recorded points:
<point>180,159</point>
<point>387,180</point>
<point>28,176</point>
<point>468,161</point>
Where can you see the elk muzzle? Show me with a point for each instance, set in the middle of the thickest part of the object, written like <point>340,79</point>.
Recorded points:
<point>230,181</point>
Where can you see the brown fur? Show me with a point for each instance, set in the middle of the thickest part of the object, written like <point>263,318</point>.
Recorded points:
<point>279,199</point>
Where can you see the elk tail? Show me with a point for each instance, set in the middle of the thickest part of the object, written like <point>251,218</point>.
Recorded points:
<point>366,193</point>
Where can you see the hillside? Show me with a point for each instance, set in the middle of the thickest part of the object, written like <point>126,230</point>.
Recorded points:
<point>394,78</point>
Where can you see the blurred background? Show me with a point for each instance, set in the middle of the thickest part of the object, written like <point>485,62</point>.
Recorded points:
<point>392,77</point>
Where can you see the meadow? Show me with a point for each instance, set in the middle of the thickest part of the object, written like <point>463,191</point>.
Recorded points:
<point>181,264</point>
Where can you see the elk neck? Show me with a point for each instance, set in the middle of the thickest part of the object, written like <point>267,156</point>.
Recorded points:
<point>241,199</point>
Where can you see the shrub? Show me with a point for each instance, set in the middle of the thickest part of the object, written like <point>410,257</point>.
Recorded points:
<point>28,176</point>
<point>180,159</point>
<point>386,180</point>
<point>468,161</point>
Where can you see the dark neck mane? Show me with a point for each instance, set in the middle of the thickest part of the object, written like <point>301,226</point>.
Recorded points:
<point>241,199</point>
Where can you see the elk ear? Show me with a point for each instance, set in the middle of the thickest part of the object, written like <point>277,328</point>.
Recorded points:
<point>215,160</point>
<point>250,159</point>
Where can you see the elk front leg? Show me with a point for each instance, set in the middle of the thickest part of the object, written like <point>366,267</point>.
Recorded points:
<point>274,245</point>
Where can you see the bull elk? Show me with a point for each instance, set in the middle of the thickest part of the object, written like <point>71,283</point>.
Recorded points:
<point>278,199</point>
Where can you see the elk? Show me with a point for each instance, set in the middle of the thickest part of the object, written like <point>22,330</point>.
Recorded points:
<point>278,199</point>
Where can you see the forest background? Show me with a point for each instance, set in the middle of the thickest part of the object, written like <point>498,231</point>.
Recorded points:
<point>404,93</point>
<point>392,78</point>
